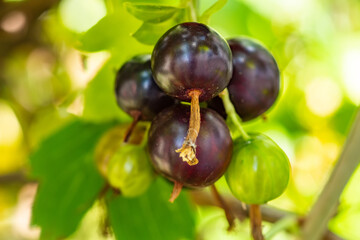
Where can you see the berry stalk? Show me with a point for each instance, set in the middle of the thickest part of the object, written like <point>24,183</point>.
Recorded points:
<point>255,222</point>
<point>193,6</point>
<point>136,115</point>
<point>228,213</point>
<point>176,191</point>
<point>188,149</point>
<point>230,111</point>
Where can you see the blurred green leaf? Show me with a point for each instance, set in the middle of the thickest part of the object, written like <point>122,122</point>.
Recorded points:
<point>204,18</point>
<point>109,32</point>
<point>174,3</point>
<point>100,99</point>
<point>149,12</point>
<point>100,36</point>
<point>150,33</point>
<point>151,216</point>
<point>69,180</point>
<point>341,120</point>
<point>237,18</point>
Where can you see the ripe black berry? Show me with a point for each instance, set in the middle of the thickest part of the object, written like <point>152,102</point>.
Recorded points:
<point>254,85</point>
<point>137,93</point>
<point>192,63</point>
<point>192,56</point>
<point>214,147</point>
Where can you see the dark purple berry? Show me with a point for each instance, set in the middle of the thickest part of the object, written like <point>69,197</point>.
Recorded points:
<point>137,93</point>
<point>191,56</point>
<point>192,63</point>
<point>217,104</point>
<point>254,85</point>
<point>214,146</point>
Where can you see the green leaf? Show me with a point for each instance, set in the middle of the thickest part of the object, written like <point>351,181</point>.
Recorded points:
<point>150,33</point>
<point>100,100</point>
<point>151,216</point>
<point>149,12</point>
<point>99,37</point>
<point>110,32</point>
<point>69,180</point>
<point>210,11</point>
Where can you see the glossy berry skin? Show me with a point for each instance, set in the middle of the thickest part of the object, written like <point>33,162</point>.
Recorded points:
<point>214,146</point>
<point>259,170</point>
<point>254,85</point>
<point>136,90</point>
<point>191,56</point>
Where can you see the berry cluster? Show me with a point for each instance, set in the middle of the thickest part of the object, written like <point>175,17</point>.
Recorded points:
<point>190,145</point>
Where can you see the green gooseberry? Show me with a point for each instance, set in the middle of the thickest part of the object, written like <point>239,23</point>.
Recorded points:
<point>259,170</point>
<point>130,171</point>
<point>112,140</point>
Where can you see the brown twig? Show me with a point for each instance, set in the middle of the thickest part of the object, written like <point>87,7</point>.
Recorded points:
<point>228,213</point>
<point>15,177</point>
<point>269,214</point>
<point>104,190</point>
<point>104,221</point>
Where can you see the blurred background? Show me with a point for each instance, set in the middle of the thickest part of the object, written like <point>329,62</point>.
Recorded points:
<point>56,62</point>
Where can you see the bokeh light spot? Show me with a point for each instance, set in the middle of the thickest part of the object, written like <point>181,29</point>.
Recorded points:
<point>81,15</point>
<point>10,130</point>
<point>351,74</point>
<point>13,22</point>
<point>323,96</point>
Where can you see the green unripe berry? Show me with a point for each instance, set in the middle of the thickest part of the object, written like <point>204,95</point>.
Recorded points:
<point>129,170</point>
<point>259,170</point>
<point>112,140</point>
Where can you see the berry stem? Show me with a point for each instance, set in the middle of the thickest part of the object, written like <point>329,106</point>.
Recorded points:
<point>230,111</point>
<point>193,4</point>
<point>204,18</point>
<point>255,222</point>
<point>176,191</point>
<point>136,117</point>
<point>105,220</point>
<point>228,213</point>
<point>188,149</point>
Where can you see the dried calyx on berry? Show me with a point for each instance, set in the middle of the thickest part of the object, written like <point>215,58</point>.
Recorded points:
<point>192,62</point>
